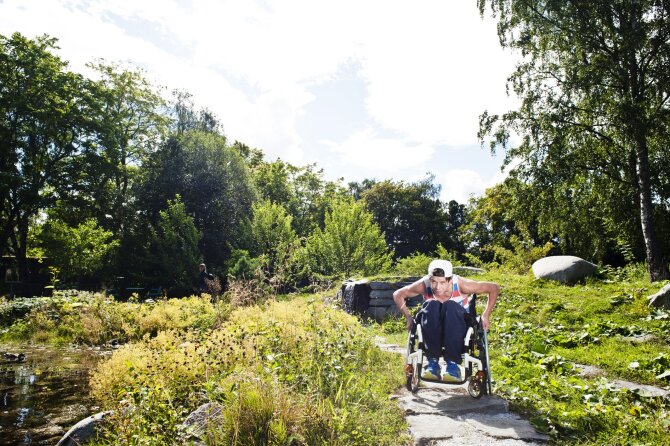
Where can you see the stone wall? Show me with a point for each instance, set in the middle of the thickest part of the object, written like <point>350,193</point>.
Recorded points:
<point>374,298</point>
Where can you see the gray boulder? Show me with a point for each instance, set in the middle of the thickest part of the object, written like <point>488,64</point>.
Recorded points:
<point>202,420</point>
<point>565,269</point>
<point>84,430</point>
<point>660,299</point>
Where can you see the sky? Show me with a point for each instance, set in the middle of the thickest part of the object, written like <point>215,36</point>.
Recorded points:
<point>364,89</point>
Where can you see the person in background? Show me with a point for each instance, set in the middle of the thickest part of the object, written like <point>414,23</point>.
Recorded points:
<point>446,300</point>
<point>203,278</point>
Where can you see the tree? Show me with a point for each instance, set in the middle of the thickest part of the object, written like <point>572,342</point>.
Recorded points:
<point>44,124</point>
<point>411,216</point>
<point>79,251</point>
<point>215,186</point>
<point>131,125</point>
<point>594,84</point>
<point>174,254</point>
<point>272,235</point>
<point>302,191</point>
<point>350,243</point>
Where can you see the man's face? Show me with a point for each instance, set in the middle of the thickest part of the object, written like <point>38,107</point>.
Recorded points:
<point>202,267</point>
<point>440,285</point>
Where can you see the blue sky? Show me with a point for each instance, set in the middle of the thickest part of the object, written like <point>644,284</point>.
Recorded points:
<point>365,89</point>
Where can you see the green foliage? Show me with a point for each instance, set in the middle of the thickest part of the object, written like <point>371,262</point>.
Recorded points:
<point>272,235</point>
<point>293,373</point>
<point>413,265</point>
<point>541,332</point>
<point>593,121</point>
<point>214,184</point>
<point>241,265</point>
<point>300,190</point>
<point>411,216</point>
<point>44,123</point>
<point>350,243</point>
<point>175,247</point>
<point>521,257</point>
<point>78,251</point>
<point>92,319</point>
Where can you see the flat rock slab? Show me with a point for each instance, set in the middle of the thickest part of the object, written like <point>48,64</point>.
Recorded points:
<point>450,416</point>
<point>446,415</point>
<point>448,400</point>
<point>643,389</point>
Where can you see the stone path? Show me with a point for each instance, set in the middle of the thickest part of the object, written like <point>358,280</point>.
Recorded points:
<point>441,415</point>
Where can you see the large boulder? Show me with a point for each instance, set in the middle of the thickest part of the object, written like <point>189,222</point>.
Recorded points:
<point>84,431</point>
<point>565,269</point>
<point>660,299</point>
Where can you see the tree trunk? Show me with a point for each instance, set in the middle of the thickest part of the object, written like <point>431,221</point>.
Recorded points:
<point>658,270</point>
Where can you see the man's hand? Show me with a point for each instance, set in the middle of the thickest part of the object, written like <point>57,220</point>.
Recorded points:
<point>410,321</point>
<point>485,321</point>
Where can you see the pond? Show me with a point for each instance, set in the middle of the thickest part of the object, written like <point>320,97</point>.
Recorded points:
<point>44,391</point>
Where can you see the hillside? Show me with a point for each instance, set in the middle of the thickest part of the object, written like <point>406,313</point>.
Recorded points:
<point>545,335</point>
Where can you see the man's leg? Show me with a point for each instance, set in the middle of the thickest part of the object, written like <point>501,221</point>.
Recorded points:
<point>431,327</point>
<point>454,331</point>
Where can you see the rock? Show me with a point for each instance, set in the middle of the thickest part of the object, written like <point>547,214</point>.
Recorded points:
<point>84,430</point>
<point>442,415</point>
<point>382,294</point>
<point>660,299</point>
<point>202,419</point>
<point>356,296</point>
<point>565,269</point>
<point>382,302</point>
<point>15,357</point>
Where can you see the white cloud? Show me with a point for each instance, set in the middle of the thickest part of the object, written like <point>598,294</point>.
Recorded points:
<point>388,155</point>
<point>463,184</point>
<point>430,68</point>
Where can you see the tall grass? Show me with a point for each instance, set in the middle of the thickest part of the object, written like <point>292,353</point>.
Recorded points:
<point>287,373</point>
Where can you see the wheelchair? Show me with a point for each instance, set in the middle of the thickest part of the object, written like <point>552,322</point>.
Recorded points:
<point>475,355</point>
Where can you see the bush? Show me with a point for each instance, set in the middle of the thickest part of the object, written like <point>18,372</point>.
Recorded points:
<point>95,319</point>
<point>413,265</point>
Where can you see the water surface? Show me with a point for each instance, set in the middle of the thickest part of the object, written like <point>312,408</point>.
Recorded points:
<point>45,393</point>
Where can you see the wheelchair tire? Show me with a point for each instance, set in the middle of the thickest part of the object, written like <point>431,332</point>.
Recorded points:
<point>476,388</point>
<point>413,379</point>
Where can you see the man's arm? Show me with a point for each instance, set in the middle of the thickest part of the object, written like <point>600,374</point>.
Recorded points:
<point>401,294</point>
<point>489,288</point>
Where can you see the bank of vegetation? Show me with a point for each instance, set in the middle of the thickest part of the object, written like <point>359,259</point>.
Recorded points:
<point>291,372</point>
<point>297,370</point>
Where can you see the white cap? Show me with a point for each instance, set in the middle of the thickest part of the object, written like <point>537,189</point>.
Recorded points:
<point>444,265</point>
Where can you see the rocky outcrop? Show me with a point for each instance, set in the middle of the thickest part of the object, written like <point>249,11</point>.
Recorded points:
<point>565,269</point>
<point>660,299</point>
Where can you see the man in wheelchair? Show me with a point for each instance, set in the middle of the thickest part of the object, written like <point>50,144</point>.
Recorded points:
<point>446,305</point>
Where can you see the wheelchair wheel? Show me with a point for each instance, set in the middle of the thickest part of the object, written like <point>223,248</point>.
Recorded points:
<point>475,388</point>
<point>413,375</point>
